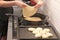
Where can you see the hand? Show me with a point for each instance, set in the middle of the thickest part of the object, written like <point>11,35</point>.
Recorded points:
<point>21,4</point>
<point>39,4</point>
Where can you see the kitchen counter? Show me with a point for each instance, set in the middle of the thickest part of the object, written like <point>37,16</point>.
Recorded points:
<point>10,29</point>
<point>9,34</point>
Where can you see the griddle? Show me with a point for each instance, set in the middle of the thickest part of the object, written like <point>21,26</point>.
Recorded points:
<point>27,35</point>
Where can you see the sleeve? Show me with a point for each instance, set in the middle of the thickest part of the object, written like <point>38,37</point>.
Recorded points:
<point>8,10</point>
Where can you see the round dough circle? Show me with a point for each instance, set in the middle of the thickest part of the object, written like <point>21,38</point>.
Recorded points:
<point>49,34</point>
<point>35,31</point>
<point>45,36</point>
<point>47,30</point>
<point>31,29</point>
<point>38,35</point>
<point>39,29</point>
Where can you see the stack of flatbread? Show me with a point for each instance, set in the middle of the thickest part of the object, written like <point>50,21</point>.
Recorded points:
<point>30,11</point>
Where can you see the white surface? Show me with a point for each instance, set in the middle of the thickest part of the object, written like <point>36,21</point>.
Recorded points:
<point>9,34</point>
<point>52,8</point>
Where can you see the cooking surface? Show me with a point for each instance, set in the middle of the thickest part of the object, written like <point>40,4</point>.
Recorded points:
<point>25,34</point>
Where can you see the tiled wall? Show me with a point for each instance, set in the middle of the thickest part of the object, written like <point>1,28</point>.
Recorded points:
<point>52,9</point>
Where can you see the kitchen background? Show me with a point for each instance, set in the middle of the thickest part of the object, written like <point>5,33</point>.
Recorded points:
<point>51,8</point>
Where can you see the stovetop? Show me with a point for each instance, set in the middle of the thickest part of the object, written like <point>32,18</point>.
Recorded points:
<point>22,24</point>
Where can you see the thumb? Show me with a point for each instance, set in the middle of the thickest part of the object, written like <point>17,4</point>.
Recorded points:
<point>37,6</point>
<point>24,5</point>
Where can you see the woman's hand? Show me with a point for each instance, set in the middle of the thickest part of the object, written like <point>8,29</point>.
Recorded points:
<point>39,4</point>
<point>21,4</point>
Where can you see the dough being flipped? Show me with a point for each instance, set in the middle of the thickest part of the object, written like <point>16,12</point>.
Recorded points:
<point>29,11</point>
<point>33,18</point>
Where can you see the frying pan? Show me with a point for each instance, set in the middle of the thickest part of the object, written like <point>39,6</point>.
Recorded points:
<point>42,16</point>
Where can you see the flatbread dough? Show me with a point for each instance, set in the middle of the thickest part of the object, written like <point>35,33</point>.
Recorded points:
<point>31,29</point>
<point>29,11</point>
<point>33,18</point>
<point>40,33</point>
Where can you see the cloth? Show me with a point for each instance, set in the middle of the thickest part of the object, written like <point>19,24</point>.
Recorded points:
<point>4,20</point>
<point>31,3</point>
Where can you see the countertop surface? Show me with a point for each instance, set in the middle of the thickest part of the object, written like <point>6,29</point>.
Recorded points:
<point>9,34</point>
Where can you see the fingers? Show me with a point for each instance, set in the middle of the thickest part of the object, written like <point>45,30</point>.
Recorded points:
<point>38,5</point>
<point>24,5</point>
<point>20,4</point>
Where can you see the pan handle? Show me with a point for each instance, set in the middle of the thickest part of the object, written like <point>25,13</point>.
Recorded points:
<point>11,15</point>
<point>20,19</point>
<point>46,19</point>
<point>14,15</point>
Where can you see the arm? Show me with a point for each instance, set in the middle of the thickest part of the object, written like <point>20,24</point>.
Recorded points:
<point>36,1</point>
<point>7,3</point>
<point>11,3</point>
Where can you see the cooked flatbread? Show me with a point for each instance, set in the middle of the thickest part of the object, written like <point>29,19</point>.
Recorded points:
<point>29,11</point>
<point>33,18</point>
